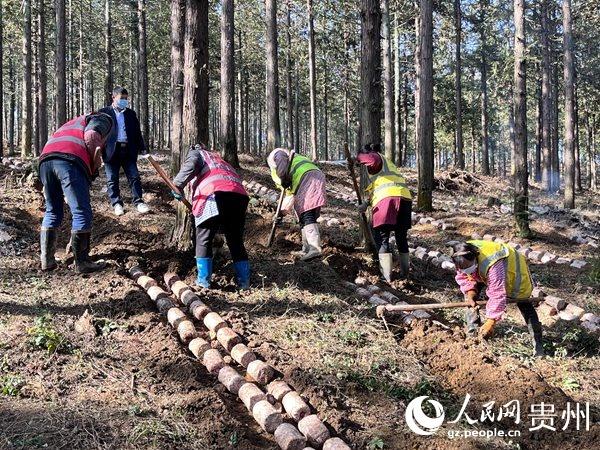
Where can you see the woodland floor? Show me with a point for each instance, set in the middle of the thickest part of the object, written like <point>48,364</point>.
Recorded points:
<point>121,379</point>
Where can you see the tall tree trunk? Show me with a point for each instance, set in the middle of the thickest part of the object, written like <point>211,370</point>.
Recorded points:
<point>521,196</point>
<point>27,114</point>
<point>370,73</point>
<point>296,110</point>
<point>578,185</point>
<point>61,64</point>
<point>325,117</point>
<point>108,81</point>
<point>272,79</point>
<point>90,70</point>
<point>142,93</point>
<point>177,36</point>
<point>312,75</point>
<point>240,107</point>
<point>554,143</point>
<point>538,134</point>
<point>397,92</point>
<point>569,73</point>
<point>195,102</point>
<point>405,120</point>
<point>546,99</point>
<point>1,80</point>
<point>42,108</point>
<point>227,122</point>
<point>592,156</point>
<point>12,109</point>
<point>288,73</point>
<point>388,82</point>
<point>485,158</point>
<point>424,105</point>
<point>460,156</point>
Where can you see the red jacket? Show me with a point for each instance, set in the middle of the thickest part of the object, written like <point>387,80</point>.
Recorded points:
<point>216,175</point>
<point>69,139</point>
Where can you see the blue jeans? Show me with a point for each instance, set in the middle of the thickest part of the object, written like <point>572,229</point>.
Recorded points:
<point>65,179</point>
<point>129,165</point>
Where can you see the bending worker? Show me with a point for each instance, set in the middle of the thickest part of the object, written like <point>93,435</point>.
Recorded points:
<point>504,273</point>
<point>219,202</point>
<point>68,163</point>
<point>305,184</point>
<point>391,204</point>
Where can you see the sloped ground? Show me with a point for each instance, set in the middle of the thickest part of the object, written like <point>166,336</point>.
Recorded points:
<point>120,379</point>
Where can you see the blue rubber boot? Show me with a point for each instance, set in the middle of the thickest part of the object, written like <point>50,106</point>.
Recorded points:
<point>205,268</point>
<point>242,274</point>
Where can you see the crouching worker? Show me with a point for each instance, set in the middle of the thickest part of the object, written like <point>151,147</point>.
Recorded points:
<point>68,163</point>
<point>504,274</point>
<point>391,204</point>
<point>219,203</point>
<point>303,180</point>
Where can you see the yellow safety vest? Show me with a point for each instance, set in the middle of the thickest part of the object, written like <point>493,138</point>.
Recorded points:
<point>518,279</point>
<point>300,165</point>
<point>387,183</point>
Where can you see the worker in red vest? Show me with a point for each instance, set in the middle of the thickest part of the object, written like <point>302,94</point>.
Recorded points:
<point>219,202</point>
<point>69,162</point>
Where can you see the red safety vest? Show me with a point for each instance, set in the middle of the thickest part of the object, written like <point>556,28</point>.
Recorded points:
<point>216,176</point>
<point>69,139</point>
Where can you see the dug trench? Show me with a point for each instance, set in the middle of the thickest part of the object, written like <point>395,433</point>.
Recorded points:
<point>127,383</point>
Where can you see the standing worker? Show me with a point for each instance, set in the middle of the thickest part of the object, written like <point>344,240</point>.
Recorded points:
<point>68,163</point>
<point>504,273</point>
<point>122,149</point>
<point>391,204</point>
<point>219,202</point>
<point>303,180</point>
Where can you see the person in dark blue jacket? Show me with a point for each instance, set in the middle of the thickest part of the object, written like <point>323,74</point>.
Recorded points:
<point>123,146</point>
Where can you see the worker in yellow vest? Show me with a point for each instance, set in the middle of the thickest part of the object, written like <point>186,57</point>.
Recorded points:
<point>505,274</point>
<point>305,193</point>
<point>391,204</point>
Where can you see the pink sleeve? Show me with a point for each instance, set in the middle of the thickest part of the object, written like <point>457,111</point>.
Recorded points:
<point>496,290</point>
<point>371,160</point>
<point>465,282</point>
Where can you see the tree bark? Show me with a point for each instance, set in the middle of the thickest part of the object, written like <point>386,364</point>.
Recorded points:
<point>546,99</point>
<point>538,134</point>
<point>27,105</point>
<point>370,73</point>
<point>592,156</point>
<point>177,36</point>
<point>272,78</point>
<point>240,108</point>
<point>61,63</point>
<point>460,156</point>
<point>1,80</point>
<point>424,108</point>
<point>388,83</point>
<point>288,85</point>
<point>42,108</point>
<point>12,109</point>
<point>521,195</point>
<point>485,158</point>
<point>398,76</point>
<point>195,102</point>
<point>312,75</point>
<point>227,122</point>
<point>569,74</point>
<point>142,93</point>
<point>108,80</point>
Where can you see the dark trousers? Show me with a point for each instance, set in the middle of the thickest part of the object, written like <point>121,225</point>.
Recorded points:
<point>309,217</point>
<point>66,179</point>
<point>230,221</point>
<point>123,158</point>
<point>382,233</point>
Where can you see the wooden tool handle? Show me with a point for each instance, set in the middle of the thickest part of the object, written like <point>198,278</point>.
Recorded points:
<point>431,306</point>
<point>161,173</point>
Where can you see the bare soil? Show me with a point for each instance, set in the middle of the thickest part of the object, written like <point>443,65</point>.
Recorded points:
<point>121,380</point>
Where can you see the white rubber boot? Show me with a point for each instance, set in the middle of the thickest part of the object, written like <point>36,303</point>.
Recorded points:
<point>313,240</point>
<point>386,264</point>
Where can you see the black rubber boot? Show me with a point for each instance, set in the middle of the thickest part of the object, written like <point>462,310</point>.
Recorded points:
<point>48,248</point>
<point>534,326</point>
<point>81,249</point>
<point>473,321</point>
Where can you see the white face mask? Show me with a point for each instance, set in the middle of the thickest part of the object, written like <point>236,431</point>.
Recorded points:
<point>470,270</point>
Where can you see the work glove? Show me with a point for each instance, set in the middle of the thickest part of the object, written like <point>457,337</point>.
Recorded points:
<point>362,208</point>
<point>487,330</point>
<point>177,196</point>
<point>286,181</point>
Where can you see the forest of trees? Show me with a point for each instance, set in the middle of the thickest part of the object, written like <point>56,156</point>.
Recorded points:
<point>494,87</point>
